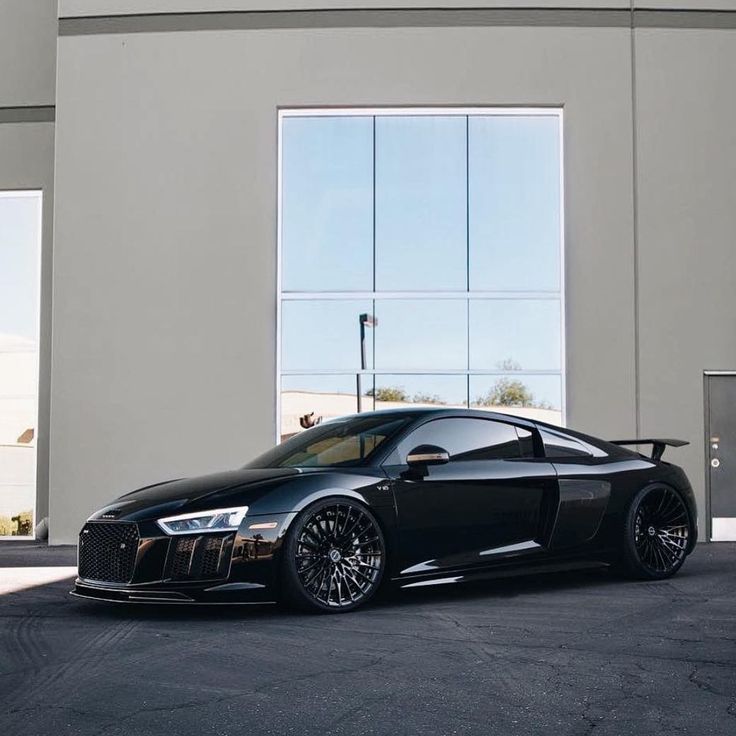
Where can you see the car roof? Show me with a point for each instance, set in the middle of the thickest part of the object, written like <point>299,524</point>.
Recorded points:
<point>419,412</point>
<point>430,411</point>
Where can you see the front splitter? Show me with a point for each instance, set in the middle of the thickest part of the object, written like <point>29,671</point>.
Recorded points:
<point>200,597</point>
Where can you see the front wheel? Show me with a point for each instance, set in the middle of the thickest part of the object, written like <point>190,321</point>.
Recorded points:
<point>334,557</point>
<point>656,533</point>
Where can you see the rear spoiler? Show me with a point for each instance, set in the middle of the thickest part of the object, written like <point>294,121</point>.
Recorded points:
<point>658,445</point>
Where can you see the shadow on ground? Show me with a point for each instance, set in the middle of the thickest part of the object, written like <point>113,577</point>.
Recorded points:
<point>574,652</point>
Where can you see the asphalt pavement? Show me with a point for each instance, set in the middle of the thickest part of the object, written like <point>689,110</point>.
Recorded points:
<point>566,653</point>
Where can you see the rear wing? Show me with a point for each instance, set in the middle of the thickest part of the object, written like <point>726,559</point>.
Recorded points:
<point>658,445</point>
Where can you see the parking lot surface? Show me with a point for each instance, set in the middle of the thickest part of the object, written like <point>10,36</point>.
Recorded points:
<point>565,653</point>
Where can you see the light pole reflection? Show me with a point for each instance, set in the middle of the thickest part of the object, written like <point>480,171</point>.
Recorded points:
<point>365,320</point>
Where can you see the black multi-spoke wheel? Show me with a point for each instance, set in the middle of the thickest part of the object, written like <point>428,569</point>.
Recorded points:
<point>334,556</point>
<point>657,533</point>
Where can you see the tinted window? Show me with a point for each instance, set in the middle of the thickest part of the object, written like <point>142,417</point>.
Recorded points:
<point>465,439</point>
<point>557,445</point>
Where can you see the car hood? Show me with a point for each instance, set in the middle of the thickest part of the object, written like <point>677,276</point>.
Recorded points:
<point>230,488</point>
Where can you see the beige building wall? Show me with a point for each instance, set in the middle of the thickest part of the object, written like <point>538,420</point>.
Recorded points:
<point>165,265</point>
<point>686,112</point>
<point>165,273</point>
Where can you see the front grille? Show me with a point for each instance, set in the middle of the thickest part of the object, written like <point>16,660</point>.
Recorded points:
<point>182,557</point>
<point>201,557</point>
<point>107,551</point>
<point>211,557</point>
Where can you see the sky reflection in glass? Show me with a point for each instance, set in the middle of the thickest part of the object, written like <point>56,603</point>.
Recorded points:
<point>327,204</point>
<point>19,262</point>
<point>514,213</point>
<point>423,334</point>
<point>517,334</point>
<point>323,334</point>
<point>421,203</point>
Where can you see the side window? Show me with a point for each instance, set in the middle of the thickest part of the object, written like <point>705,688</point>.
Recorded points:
<point>557,445</point>
<point>466,439</point>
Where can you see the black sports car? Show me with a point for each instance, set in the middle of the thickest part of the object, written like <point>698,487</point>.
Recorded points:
<point>416,497</point>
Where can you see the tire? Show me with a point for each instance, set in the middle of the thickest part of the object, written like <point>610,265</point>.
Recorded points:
<point>334,557</point>
<point>657,533</point>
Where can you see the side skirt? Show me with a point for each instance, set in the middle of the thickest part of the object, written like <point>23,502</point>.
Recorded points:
<point>468,576</point>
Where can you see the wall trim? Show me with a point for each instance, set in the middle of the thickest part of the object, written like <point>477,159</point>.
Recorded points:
<point>418,18</point>
<point>28,114</point>
<point>390,18</point>
<point>715,19</point>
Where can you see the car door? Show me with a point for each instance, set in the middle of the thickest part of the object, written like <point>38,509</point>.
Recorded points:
<point>488,502</point>
<point>584,481</point>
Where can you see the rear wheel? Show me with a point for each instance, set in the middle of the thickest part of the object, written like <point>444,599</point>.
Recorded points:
<point>656,533</point>
<point>334,557</point>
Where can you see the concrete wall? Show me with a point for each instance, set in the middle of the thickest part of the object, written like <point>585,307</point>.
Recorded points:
<point>27,94</point>
<point>686,142</point>
<point>165,271</point>
<point>164,333</point>
<point>27,52</point>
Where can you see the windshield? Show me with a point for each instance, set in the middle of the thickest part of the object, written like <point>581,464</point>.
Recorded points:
<point>340,442</point>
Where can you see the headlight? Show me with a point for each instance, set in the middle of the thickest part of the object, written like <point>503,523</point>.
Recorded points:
<point>216,520</point>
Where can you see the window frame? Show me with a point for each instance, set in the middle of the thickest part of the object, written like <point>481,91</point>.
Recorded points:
<point>372,373</point>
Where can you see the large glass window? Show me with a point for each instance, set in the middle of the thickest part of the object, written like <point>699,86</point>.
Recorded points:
<point>420,262</point>
<point>20,252</point>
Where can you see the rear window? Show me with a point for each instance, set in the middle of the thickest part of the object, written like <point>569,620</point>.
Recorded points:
<point>558,445</point>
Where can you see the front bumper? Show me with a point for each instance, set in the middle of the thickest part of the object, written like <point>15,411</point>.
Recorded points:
<point>222,594</point>
<point>134,562</point>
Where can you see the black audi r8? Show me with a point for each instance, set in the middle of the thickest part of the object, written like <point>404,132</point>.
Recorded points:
<point>414,497</point>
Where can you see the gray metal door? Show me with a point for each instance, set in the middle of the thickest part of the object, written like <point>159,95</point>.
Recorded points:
<point>720,428</point>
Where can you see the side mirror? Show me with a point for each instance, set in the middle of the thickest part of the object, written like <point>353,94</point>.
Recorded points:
<point>424,455</point>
